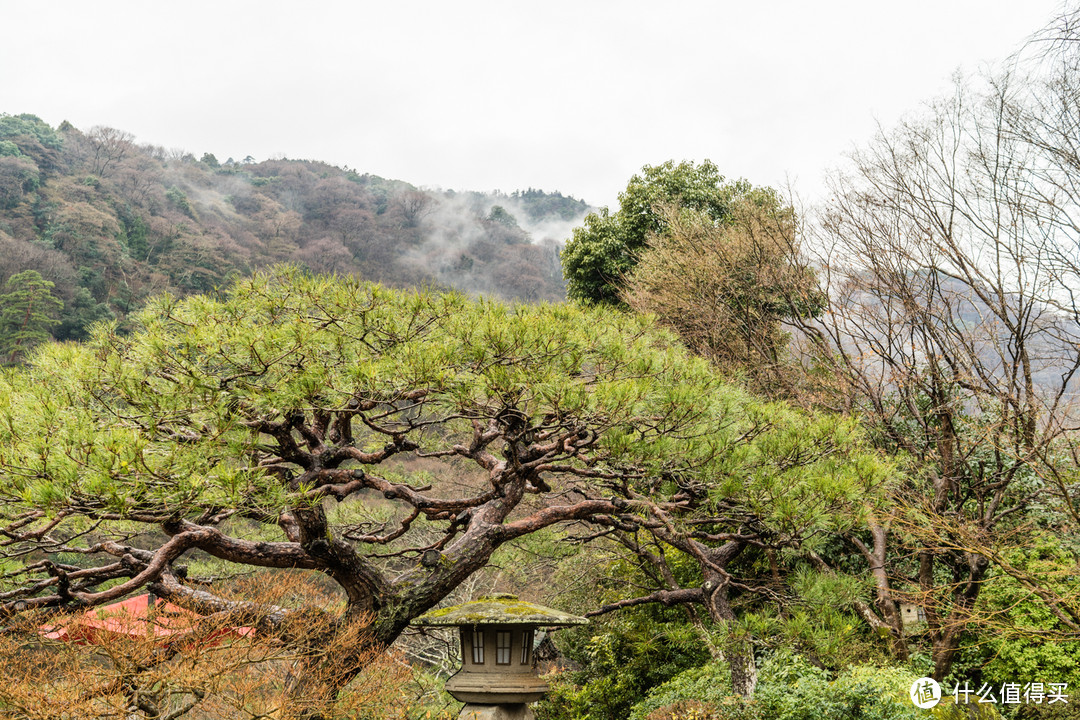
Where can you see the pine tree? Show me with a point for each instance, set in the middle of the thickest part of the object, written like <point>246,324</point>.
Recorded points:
<point>27,310</point>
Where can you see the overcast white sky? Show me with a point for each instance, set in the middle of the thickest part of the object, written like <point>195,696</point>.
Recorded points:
<point>483,95</point>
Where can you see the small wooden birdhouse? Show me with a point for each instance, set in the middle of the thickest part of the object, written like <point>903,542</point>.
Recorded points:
<point>496,646</point>
<point>912,614</point>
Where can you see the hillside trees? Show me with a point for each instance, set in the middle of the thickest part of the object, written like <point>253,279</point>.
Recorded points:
<point>33,139</point>
<point>108,146</point>
<point>128,220</point>
<point>275,428</point>
<point>18,176</point>
<point>539,205</point>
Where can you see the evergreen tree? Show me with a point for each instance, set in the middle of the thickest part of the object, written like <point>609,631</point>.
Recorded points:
<point>27,310</point>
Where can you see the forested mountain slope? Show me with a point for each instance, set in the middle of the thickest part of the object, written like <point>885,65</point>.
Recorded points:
<point>111,222</point>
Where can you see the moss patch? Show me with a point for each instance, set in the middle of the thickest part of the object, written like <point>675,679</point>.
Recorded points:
<point>502,609</point>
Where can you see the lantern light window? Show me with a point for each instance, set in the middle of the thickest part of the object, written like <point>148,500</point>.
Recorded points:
<point>502,647</point>
<point>478,646</point>
<point>526,646</point>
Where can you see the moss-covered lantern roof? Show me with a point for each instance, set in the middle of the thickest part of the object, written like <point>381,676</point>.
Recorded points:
<point>499,609</point>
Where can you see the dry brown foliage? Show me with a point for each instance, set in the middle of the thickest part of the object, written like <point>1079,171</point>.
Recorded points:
<point>209,673</point>
<point>724,289</point>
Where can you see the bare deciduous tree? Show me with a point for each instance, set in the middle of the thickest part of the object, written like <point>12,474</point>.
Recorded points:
<point>108,146</point>
<point>949,257</point>
<point>726,288</point>
<point>414,206</point>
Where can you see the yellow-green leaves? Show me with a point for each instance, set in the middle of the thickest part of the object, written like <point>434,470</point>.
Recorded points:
<point>167,417</point>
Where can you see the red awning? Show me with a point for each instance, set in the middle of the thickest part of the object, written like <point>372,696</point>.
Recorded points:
<point>137,617</point>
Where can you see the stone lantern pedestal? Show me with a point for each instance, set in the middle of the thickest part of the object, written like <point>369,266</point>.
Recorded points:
<point>498,676</point>
<point>519,711</point>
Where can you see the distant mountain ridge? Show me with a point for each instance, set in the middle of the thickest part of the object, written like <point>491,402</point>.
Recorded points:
<point>111,222</point>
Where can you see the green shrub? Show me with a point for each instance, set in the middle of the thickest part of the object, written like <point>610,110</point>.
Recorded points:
<point>790,688</point>
<point>729,708</point>
<point>621,658</point>
<point>704,685</point>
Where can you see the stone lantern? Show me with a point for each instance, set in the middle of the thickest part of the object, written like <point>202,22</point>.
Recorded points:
<point>498,674</point>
